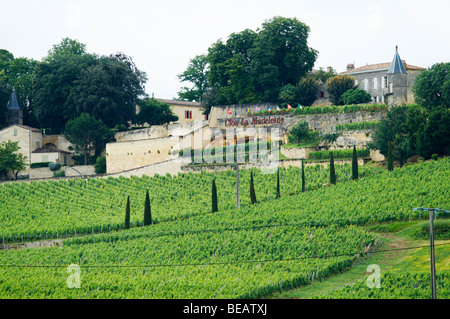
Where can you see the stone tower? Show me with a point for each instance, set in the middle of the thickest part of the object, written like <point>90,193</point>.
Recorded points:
<point>397,77</point>
<point>14,114</point>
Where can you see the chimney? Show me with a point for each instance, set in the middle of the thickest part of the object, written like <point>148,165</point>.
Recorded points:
<point>350,67</point>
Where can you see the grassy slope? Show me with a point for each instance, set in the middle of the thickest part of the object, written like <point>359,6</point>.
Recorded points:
<point>395,236</point>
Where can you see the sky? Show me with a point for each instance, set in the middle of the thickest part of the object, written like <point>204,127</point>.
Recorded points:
<point>162,36</point>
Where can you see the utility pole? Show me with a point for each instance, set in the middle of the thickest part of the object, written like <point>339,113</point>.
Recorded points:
<point>432,258</point>
<point>237,185</point>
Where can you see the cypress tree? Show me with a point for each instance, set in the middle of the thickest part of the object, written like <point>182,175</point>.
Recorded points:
<point>332,172</point>
<point>278,183</point>
<point>214,197</point>
<point>127,214</point>
<point>147,211</point>
<point>354,164</point>
<point>303,177</point>
<point>390,164</point>
<point>252,189</point>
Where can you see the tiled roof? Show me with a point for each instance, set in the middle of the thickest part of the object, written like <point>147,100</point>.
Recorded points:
<point>182,103</point>
<point>381,66</point>
<point>29,128</point>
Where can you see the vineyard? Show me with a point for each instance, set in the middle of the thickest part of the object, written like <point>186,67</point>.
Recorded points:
<point>55,209</point>
<point>192,253</point>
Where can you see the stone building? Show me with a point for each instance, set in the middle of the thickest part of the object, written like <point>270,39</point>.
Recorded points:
<point>389,83</point>
<point>185,110</point>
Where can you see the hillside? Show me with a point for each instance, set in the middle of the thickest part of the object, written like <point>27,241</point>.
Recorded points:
<point>247,253</point>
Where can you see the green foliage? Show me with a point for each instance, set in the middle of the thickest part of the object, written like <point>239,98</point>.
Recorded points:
<point>366,125</point>
<point>354,164</point>
<point>39,165</point>
<point>86,133</point>
<point>69,82</point>
<point>432,86</point>
<point>197,74</point>
<point>395,285</point>
<point>435,157</point>
<point>252,190</point>
<point>214,197</point>
<point>54,166</point>
<point>154,112</point>
<point>331,137</point>
<point>10,158</point>
<point>337,86</point>
<point>299,132</point>
<point>390,158</point>
<point>127,213</point>
<point>303,177</point>
<point>100,165</point>
<point>253,66</point>
<point>332,170</point>
<point>147,211</point>
<point>58,173</point>
<point>355,96</point>
<point>304,93</point>
<point>413,130</point>
<point>278,184</point>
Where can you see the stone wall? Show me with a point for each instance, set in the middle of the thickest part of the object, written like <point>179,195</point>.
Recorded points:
<point>302,152</point>
<point>79,170</point>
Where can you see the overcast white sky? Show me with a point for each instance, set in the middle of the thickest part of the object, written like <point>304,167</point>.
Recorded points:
<point>162,36</point>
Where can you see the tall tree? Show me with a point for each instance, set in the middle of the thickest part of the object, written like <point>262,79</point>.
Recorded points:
<point>354,164</point>
<point>85,133</point>
<point>278,184</point>
<point>432,86</point>
<point>214,197</point>
<point>10,159</point>
<point>252,190</point>
<point>197,74</point>
<point>147,211</point>
<point>303,177</point>
<point>281,55</point>
<point>127,214</point>
<point>70,81</point>
<point>390,159</point>
<point>338,85</point>
<point>332,170</point>
<point>154,112</point>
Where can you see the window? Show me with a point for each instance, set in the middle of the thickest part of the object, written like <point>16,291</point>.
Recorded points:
<point>38,144</point>
<point>15,132</point>
<point>322,94</point>
<point>44,158</point>
<point>188,114</point>
<point>375,83</point>
<point>366,84</point>
<point>385,82</point>
<point>206,117</point>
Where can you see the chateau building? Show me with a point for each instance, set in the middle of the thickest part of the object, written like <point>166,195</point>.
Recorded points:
<point>390,83</point>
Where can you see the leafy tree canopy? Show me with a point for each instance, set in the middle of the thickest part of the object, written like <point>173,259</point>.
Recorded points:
<point>70,82</point>
<point>355,96</point>
<point>253,66</point>
<point>337,86</point>
<point>197,74</point>
<point>154,112</point>
<point>432,86</point>
<point>85,133</point>
<point>10,159</point>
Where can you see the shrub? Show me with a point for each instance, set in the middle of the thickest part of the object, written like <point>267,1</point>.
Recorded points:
<point>38,165</point>
<point>435,157</point>
<point>59,173</point>
<point>356,96</point>
<point>54,166</point>
<point>100,165</point>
